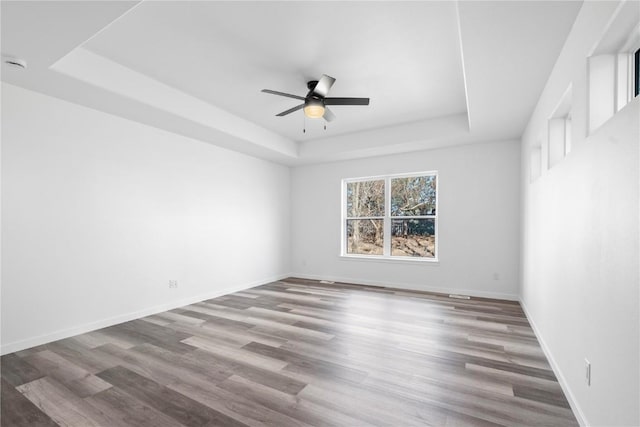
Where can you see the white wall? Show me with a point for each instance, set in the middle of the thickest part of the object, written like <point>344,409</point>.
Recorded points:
<point>580,242</point>
<point>478,221</point>
<point>99,213</point>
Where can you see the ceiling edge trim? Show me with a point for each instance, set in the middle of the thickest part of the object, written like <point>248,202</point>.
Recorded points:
<point>464,70</point>
<point>108,75</point>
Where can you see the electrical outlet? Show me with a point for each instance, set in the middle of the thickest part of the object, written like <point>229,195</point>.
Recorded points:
<point>587,371</point>
<point>173,284</point>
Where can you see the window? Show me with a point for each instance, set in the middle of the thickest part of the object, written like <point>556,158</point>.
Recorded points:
<point>613,66</point>
<point>391,217</point>
<point>636,72</point>
<point>365,217</point>
<point>535,163</point>
<point>559,128</point>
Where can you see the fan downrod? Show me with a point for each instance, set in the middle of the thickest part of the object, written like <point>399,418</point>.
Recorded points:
<point>311,84</point>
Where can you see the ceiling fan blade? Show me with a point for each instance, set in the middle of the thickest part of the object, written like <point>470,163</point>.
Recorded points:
<point>288,95</point>
<point>328,115</point>
<point>346,101</point>
<point>291,110</point>
<point>323,86</point>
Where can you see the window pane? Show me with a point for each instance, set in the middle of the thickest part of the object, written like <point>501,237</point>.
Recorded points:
<point>364,236</point>
<point>365,198</point>
<point>413,237</point>
<point>413,196</point>
<point>636,76</point>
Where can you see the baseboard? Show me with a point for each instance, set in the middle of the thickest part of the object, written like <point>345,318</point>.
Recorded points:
<point>459,291</point>
<point>575,407</point>
<point>103,323</point>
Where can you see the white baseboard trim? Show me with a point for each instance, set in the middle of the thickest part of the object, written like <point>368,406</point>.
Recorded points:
<point>405,286</point>
<point>103,323</point>
<point>575,407</point>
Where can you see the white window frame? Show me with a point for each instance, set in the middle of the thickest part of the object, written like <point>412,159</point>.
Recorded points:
<point>387,219</point>
<point>559,129</point>
<point>625,70</point>
<point>610,68</point>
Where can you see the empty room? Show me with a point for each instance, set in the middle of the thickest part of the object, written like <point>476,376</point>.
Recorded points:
<point>320,213</point>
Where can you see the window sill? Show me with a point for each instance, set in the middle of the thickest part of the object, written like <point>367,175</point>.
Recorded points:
<point>395,260</point>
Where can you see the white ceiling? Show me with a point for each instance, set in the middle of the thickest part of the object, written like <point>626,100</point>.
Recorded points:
<point>224,53</point>
<point>437,73</point>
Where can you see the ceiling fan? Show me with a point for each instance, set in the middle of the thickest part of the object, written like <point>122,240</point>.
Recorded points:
<point>316,100</point>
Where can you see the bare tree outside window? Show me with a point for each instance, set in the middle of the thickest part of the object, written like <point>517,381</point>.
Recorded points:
<point>404,225</point>
<point>365,213</point>
<point>413,209</point>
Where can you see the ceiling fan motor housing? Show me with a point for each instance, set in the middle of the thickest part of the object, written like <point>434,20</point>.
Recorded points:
<point>313,100</point>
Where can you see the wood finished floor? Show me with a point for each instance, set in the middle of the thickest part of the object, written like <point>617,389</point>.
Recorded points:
<point>295,353</point>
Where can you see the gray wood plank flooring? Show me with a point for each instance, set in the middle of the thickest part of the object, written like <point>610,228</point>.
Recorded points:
<point>295,353</point>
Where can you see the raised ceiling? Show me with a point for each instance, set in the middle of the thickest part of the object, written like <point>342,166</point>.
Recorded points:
<point>224,53</point>
<point>437,73</point>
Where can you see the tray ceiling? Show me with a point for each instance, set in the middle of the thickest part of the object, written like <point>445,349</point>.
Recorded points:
<point>437,73</point>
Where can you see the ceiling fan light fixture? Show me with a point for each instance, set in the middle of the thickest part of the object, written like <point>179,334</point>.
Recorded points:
<point>314,108</point>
